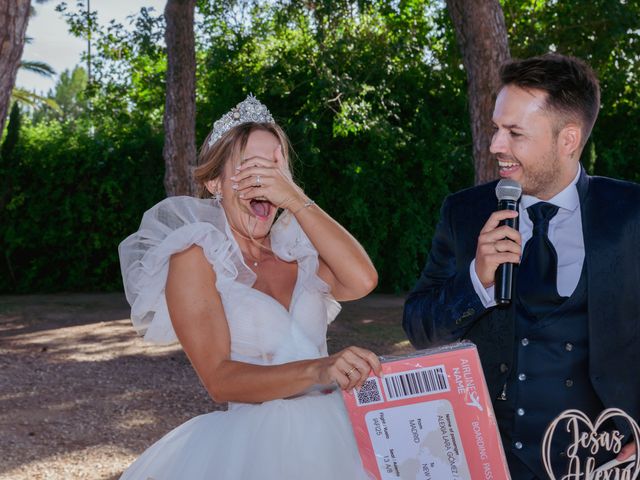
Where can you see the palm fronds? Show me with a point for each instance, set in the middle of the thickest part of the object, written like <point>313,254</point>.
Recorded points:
<point>41,68</point>
<point>33,99</point>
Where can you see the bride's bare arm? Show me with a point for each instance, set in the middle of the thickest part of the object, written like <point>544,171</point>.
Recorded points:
<point>200,323</point>
<point>344,264</point>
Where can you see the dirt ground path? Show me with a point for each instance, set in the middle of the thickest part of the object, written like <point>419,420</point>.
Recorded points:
<point>81,396</point>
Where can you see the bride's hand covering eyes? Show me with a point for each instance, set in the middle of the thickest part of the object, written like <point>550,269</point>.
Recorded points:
<point>267,179</point>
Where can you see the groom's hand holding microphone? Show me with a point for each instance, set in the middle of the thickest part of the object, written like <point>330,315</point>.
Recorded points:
<point>499,243</point>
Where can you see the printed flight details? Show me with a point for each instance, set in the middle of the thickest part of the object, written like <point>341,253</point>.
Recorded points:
<point>418,441</point>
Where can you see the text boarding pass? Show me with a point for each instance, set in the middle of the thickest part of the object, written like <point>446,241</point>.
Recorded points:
<point>429,417</point>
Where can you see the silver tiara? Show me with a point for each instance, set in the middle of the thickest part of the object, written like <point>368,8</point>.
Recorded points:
<point>249,110</point>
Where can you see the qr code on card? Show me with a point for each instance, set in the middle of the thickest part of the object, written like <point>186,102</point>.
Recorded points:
<point>369,393</point>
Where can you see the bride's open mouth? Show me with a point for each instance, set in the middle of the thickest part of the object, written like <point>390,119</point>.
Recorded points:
<point>261,208</point>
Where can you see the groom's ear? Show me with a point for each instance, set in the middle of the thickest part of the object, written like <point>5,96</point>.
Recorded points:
<point>570,139</point>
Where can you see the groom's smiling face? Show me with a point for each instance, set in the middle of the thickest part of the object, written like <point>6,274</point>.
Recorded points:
<point>525,142</point>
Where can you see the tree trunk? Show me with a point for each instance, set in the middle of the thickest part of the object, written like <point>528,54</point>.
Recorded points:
<point>180,106</point>
<point>14,16</point>
<point>482,37</point>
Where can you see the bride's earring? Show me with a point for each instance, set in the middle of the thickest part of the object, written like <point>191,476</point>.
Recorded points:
<point>214,189</point>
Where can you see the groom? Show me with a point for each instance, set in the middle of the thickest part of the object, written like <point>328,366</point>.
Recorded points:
<point>571,336</point>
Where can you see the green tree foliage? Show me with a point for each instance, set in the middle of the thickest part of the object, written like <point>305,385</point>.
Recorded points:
<point>74,192</point>
<point>31,98</point>
<point>69,94</point>
<point>371,92</point>
<point>13,133</point>
<point>77,184</point>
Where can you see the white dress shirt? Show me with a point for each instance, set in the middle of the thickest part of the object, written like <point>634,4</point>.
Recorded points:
<point>565,234</point>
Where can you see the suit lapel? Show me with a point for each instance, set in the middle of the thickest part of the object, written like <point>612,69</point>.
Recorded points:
<point>601,289</point>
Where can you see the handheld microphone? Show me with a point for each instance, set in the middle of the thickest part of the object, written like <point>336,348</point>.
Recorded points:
<point>508,192</point>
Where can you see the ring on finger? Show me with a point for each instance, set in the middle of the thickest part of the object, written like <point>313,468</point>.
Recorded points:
<point>350,371</point>
<point>258,181</point>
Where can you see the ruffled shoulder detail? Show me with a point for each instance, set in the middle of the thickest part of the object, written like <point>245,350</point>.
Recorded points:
<point>177,223</point>
<point>171,226</point>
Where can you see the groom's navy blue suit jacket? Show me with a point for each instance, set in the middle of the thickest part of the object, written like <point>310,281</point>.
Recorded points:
<point>443,307</point>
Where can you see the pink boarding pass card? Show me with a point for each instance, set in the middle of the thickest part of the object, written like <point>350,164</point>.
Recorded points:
<point>429,417</point>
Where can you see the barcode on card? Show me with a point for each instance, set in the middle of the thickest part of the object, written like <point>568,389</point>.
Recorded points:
<point>369,393</point>
<point>415,383</point>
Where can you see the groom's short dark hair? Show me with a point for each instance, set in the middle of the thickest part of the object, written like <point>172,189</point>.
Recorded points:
<point>573,91</point>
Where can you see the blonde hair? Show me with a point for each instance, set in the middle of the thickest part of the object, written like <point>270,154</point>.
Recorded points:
<point>230,147</point>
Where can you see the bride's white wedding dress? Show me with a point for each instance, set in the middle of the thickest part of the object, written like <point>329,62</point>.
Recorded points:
<point>306,437</point>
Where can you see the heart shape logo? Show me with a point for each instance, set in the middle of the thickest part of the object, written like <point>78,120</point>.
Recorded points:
<point>587,438</point>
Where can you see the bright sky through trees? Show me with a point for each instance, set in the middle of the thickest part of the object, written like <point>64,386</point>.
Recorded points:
<point>53,44</point>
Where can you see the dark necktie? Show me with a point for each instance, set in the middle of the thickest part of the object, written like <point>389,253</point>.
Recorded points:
<point>538,271</point>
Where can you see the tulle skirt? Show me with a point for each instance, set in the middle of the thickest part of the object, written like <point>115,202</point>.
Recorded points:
<point>307,437</point>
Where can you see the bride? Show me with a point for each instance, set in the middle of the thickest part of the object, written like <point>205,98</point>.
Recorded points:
<point>249,299</point>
